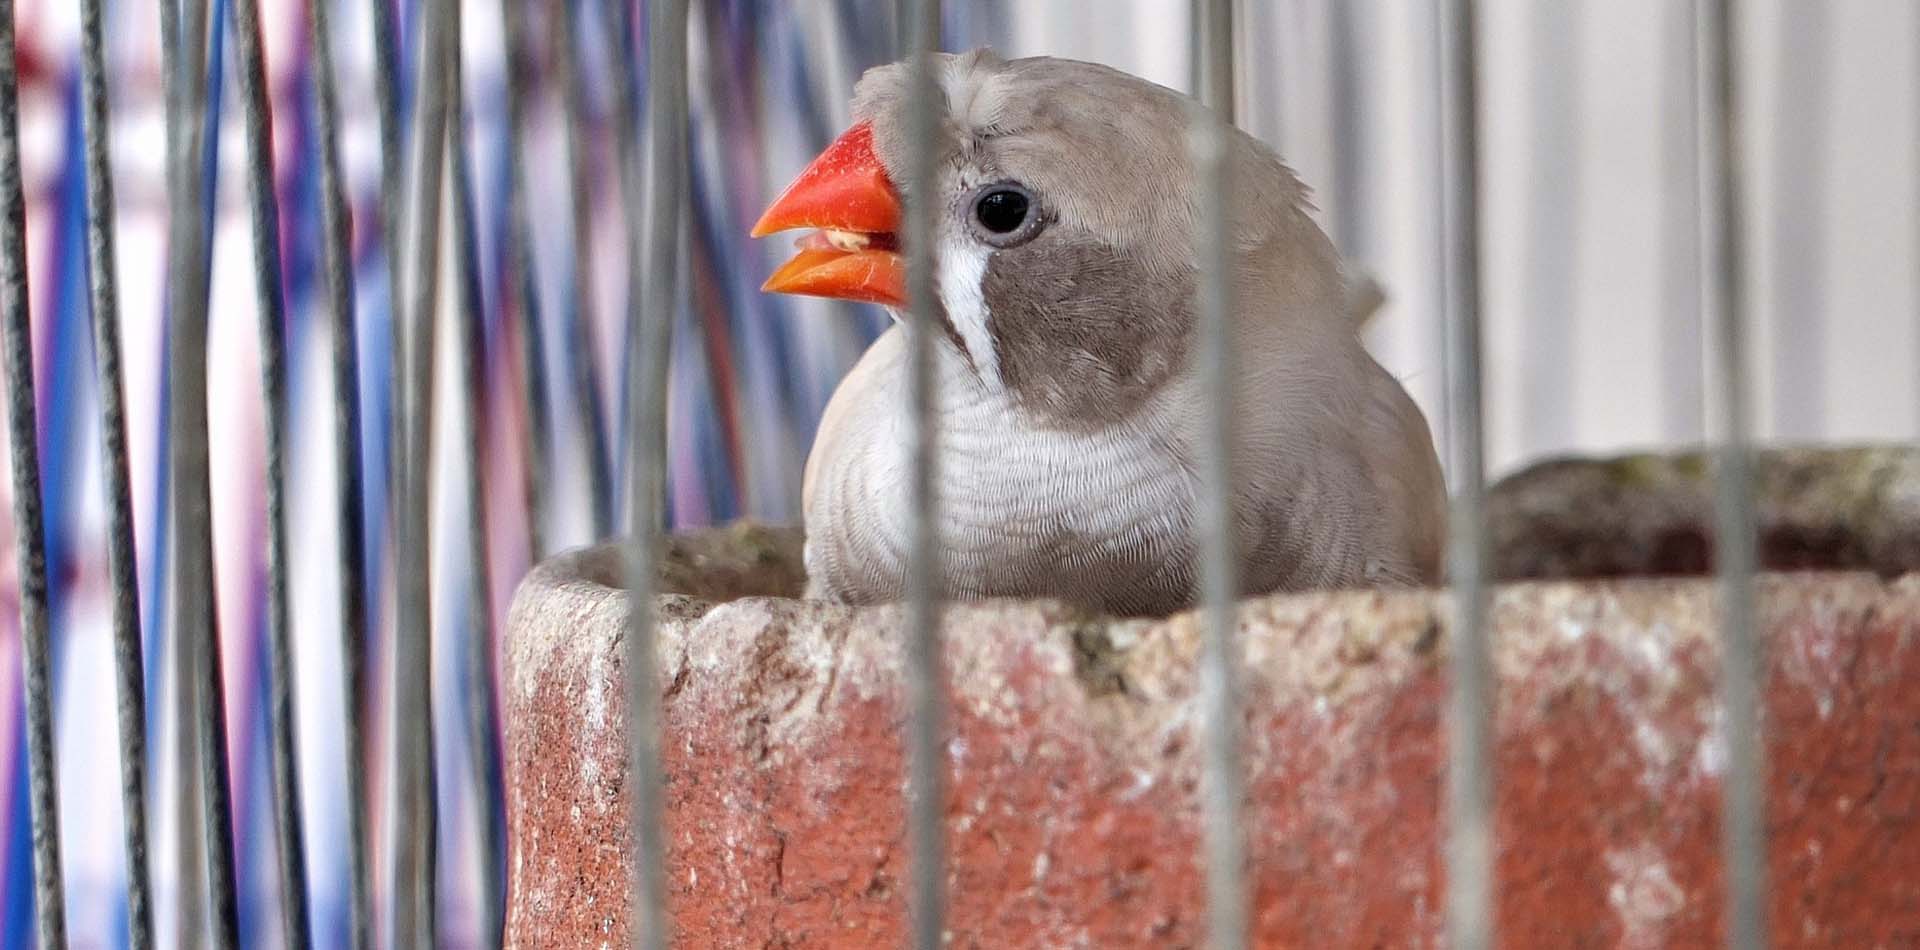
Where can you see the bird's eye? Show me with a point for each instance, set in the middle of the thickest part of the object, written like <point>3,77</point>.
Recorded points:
<point>1001,211</point>
<point>1005,213</point>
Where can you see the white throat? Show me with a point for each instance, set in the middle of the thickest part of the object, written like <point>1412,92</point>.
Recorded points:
<point>962,270</point>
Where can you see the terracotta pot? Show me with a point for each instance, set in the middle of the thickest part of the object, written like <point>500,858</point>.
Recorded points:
<point>1073,818</point>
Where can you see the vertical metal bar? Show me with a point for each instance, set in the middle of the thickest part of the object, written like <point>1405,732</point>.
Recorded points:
<point>49,901</point>
<point>582,362</point>
<point>264,205</point>
<point>1683,407</point>
<point>1348,99</point>
<point>650,321</point>
<point>180,65</point>
<point>624,83</point>
<point>195,621</point>
<point>129,666</point>
<point>1212,150</point>
<point>1215,69</point>
<point>926,680</point>
<point>519,254</point>
<point>1743,784</point>
<point>415,854</point>
<point>403,889</point>
<point>1470,846</point>
<point>337,277</point>
<point>483,756</point>
<point>386,92</point>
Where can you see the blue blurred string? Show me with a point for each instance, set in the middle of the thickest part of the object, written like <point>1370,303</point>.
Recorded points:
<point>747,382</point>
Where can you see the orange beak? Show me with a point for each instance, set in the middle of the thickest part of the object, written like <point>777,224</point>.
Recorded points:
<point>855,254</point>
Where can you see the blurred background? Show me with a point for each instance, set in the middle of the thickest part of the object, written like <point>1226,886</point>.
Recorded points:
<point>1591,219</point>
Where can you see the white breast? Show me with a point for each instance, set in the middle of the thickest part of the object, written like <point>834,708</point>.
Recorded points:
<point>1102,518</point>
<point>1328,492</point>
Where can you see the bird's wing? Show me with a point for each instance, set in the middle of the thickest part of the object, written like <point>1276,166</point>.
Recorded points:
<point>1406,471</point>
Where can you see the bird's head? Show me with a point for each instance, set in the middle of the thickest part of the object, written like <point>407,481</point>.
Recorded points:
<point>1065,210</point>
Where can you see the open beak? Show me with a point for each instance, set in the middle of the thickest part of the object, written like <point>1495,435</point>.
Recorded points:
<point>855,254</point>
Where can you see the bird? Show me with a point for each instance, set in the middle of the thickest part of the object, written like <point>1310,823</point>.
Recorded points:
<point>1070,410</point>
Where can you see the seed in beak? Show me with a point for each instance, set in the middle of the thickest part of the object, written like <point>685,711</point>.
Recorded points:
<point>829,239</point>
<point>848,240</point>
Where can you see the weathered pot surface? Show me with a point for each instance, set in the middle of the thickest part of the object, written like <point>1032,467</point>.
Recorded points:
<point>1072,817</point>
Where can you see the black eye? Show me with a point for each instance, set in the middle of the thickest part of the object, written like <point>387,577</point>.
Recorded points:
<point>1004,214</point>
<point>1001,211</point>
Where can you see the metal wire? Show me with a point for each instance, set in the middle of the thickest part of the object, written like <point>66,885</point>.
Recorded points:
<point>104,299</point>
<point>1681,356</point>
<point>623,84</point>
<point>1743,784</point>
<point>337,288</point>
<point>49,900</point>
<point>1346,101</point>
<point>483,758</point>
<point>265,211</point>
<point>582,371</point>
<point>650,321</point>
<point>386,94</point>
<point>415,852</point>
<point>1211,146</point>
<point>195,621</point>
<point>189,846</point>
<point>1470,846</point>
<point>926,680</point>
<point>519,260</point>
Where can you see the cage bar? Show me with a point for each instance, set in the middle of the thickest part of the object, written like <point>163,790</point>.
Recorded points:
<point>582,374</point>
<point>650,318</point>
<point>1222,793</point>
<point>43,804</point>
<point>926,681</point>
<point>207,832</point>
<point>1470,700</point>
<point>623,84</point>
<point>1743,783</point>
<point>350,503</point>
<point>386,94</point>
<point>416,859</point>
<point>483,759</point>
<point>264,206</point>
<point>1681,278</point>
<point>531,353</point>
<point>104,303</point>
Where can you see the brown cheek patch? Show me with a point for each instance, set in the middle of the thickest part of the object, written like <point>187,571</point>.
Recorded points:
<point>1082,335</point>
